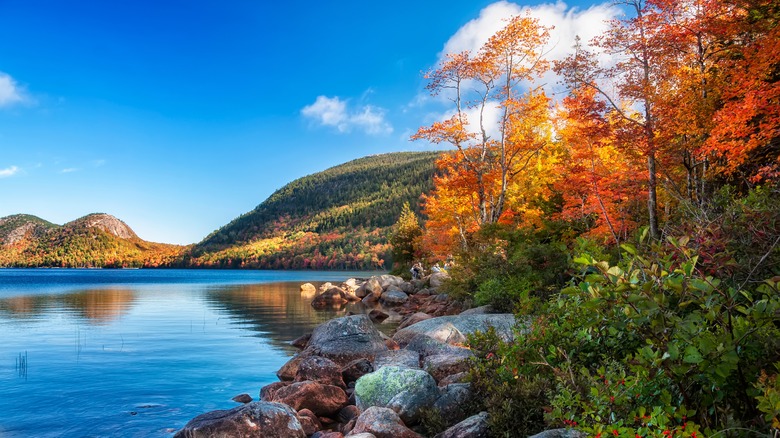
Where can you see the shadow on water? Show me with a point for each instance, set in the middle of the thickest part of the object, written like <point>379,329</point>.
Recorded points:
<point>97,306</point>
<point>276,311</point>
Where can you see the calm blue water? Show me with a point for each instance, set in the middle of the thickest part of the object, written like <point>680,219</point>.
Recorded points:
<point>95,353</point>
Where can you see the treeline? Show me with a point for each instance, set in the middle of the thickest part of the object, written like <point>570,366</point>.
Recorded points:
<point>336,219</point>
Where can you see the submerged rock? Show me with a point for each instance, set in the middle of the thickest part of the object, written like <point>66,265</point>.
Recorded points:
<point>269,420</point>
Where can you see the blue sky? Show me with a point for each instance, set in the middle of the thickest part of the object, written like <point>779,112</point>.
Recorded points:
<point>178,116</point>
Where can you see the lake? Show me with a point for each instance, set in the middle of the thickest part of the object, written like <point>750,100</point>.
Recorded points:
<point>95,353</point>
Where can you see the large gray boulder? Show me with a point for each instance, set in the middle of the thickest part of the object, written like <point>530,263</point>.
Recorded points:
<point>473,427</point>
<point>393,298</point>
<point>454,328</point>
<point>345,339</point>
<point>371,286</point>
<point>390,280</point>
<point>400,358</point>
<point>266,419</point>
<point>454,402</point>
<point>404,390</point>
<point>438,278</point>
<point>382,423</point>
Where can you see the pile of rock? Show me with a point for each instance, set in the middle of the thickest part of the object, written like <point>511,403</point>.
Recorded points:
<point>349,379</point>
<point>387,292</point>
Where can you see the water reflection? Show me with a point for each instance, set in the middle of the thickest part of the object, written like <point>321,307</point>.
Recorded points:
<point>97,306</point>
<point>277,312</point>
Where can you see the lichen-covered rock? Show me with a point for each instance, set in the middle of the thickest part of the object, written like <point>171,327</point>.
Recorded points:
<point>473,427</point>
<point>323,400</point>
<point>399,358</point>
<point>270,420</point>
<point>382,423</point>
<point>404,390</point>
<point>321,370</point>
<point>345,339</point>
<point>393,298</point>
<point>452,329</point>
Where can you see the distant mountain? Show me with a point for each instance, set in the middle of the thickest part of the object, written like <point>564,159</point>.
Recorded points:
<point>336,219</point>
<point>95,240</point>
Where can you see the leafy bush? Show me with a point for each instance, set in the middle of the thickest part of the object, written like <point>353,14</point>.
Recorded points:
<point>652,346</point>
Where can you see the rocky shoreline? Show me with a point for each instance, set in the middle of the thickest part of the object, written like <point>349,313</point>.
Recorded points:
<point>351,380</point>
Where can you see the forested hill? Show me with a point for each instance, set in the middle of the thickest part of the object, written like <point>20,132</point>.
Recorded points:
<point>336,219</point>
<point>95,240</point>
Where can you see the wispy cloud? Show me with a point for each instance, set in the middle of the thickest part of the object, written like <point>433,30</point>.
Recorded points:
<point>337,113</point>
<point>70,170</point>
<point>9,171</point>
<point>98,163</point>
<point>10,91</point>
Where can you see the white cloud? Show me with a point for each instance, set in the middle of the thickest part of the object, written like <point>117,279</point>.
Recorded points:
<point>10,92</point>
<point>336,113</point>
<point>568,23</point>
<point>70,170</point>
<point>9,171</point>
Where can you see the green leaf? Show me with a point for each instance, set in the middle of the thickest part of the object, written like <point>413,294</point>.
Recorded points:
<point>692,355</point>
<point>627,247</point>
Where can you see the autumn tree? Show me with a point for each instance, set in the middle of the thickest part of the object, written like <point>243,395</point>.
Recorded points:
<point>406,239</point>
<point>493,129</point>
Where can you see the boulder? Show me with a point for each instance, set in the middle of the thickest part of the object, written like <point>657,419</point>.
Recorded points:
<point>438,278</point>
<point>397,358</point>
<point>309,421</point>
<point>560,433</point>
<point>382,423</point>
<point>377,315</point>
<point>345,339</point>
<point>408,287</point>
<point>325,286</point>
<point>390,280</point>
<point>404,390</point>
<point>473,427</point>
<point>481,310</point>
<point>454,402</point>
<point>356,369</point>
<point>454,378</point>
<point>290,368</point>
<point>370,286</point>
<point>453,329</point>
<point>308,290</point>
<point>320,370</point>
<point>351,285</point>
<point>270,420</point>
<point>446,364</point>
<point>371,299</point>
<point>331,297</point>
<point>327,434</point>
<point>414,318</point>
<point>323,400</point>
<point>267,392</point>
<point>393,298</point>
<point>427,346</point>
<point>347,414</point>
<point>242,398</point>
<point>301,341</point>
<point>391,344</point>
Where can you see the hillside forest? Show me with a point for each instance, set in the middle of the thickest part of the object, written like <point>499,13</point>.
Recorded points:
<point>632,223</point>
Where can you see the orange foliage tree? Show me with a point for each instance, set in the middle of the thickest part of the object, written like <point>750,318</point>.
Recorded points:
<point>499,129</point>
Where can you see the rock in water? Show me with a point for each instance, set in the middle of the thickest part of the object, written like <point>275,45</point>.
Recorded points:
<point>269,420</point>
<point>404,390</point>
<point>345,339</point>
